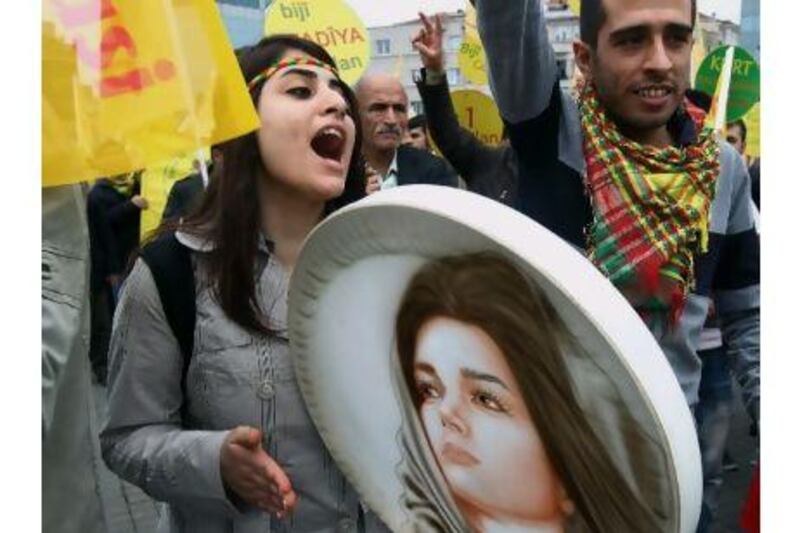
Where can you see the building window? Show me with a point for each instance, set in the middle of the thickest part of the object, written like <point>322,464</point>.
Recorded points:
<point>561,67</point>
<point>453,42</point>
<point>383,47</point>
<point>453,76</point>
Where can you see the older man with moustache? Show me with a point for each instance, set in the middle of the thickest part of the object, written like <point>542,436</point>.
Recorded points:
<point>383,105</point>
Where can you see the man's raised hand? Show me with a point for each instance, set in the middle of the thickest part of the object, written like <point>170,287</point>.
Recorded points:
<point>428,42</point>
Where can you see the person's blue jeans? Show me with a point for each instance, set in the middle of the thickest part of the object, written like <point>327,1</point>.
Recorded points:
<point>713,414</point>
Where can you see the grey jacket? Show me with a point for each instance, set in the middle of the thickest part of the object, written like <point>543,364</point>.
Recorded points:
<point>235,378</point>
<point>70,452</point>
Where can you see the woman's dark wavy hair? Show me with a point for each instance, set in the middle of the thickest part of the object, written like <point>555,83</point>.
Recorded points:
<point>229,215</point>
<point>487,291</point>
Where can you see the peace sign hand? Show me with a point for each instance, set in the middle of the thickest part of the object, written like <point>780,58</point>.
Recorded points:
<point>428,42</point>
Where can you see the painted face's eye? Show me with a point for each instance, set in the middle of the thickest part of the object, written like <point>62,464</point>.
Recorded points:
<point>427,391</point>
<point>489,400</point>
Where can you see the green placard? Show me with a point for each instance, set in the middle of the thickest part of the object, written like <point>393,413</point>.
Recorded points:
<point>745,89</point>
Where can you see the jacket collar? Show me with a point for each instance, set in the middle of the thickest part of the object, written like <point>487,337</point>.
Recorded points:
<point>198,242</point>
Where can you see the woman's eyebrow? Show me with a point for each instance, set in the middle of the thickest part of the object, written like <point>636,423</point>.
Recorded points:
<point>470,373</point>
<point>302,72</point>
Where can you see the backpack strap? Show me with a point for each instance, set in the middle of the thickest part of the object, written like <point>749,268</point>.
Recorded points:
<point>171,265</point>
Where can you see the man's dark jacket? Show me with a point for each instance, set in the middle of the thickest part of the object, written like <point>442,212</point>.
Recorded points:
<point>488,170</point>
<point>113,230</point>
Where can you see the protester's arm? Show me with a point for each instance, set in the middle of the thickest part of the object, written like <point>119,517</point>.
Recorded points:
<point>522,66</point>
<point>458,145</point>
<point>464,151</point>
<point>123,212</point>
<point>737,288</point>
<point>143,441</point>
<point>442,173</point>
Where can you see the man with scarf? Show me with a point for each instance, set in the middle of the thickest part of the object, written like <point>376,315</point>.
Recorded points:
<point>628,172</point>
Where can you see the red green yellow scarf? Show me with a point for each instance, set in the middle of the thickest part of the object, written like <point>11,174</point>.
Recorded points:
<point>651,206</point>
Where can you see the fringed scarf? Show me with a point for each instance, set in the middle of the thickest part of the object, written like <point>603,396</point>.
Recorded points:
<point>651,207</point>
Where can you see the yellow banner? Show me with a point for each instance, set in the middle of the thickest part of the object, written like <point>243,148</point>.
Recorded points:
<point>471,55</point>
<point>332,24</point>
<point>129,83</point>
<point>575,6</point>
<point>479,114</point>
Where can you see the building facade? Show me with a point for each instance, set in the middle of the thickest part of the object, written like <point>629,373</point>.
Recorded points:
<point>718,32</point>
<point>751,27</point>
<point>392,51</point>
<point>244,20</point>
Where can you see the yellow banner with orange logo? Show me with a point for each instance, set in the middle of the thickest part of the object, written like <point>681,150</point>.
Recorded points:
<point>131,83</point>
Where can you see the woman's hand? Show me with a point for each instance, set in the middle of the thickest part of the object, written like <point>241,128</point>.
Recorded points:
<point>253,475</point>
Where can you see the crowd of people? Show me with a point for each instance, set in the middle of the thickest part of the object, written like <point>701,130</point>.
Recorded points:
<point>204,411</point>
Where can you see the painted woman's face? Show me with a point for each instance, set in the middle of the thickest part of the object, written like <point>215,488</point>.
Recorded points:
<point>479,427</point>
<point>307,134</point>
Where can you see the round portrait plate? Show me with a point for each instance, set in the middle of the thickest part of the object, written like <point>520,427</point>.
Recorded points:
<point>343,300</point>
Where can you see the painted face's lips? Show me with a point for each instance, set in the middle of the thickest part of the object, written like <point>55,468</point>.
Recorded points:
<point>452,453</point>
<point>329,143</point>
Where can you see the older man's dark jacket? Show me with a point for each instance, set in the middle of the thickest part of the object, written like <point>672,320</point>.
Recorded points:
<point>416,166</point>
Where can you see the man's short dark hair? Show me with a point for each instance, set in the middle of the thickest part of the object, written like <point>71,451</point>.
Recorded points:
<point>418,121</point>
<point>593,15</point>
<point>742,127</point>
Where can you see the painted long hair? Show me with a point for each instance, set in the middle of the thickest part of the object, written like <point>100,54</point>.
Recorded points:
<point>487,291</point>
<point>229,213</point>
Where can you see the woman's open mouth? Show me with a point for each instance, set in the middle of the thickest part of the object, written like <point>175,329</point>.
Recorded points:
<point>329,143</point>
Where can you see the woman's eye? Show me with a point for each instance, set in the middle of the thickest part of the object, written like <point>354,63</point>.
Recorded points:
<point>300,92</point>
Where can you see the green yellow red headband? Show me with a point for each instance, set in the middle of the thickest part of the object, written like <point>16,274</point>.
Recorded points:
<point>269,71</point>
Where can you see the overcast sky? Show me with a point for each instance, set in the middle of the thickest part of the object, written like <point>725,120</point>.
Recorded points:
<point>376,13</point>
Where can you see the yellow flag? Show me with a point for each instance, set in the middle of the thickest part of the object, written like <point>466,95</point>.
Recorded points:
<point>471,55</point>
<point>157,180</point>
<point>719,101</point>
<point>471,22</point>
<point>130,83</point>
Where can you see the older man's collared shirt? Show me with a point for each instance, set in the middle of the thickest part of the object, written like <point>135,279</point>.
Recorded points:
<point>390,179</point>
